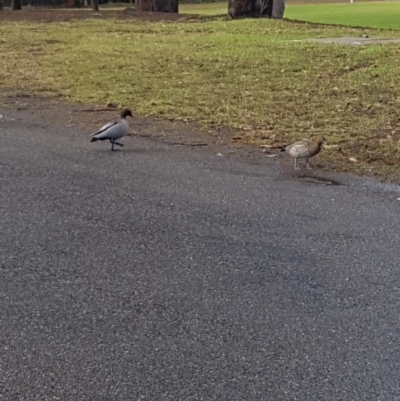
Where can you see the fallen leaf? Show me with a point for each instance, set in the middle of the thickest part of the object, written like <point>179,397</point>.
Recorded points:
<point>353,159</point>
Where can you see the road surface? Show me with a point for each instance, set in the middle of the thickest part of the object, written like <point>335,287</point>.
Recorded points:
<point>168,273</point>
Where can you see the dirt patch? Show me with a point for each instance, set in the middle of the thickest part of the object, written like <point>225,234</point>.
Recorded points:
<point>63,15</point>
<point>221,141</point>
<point>174,133</point>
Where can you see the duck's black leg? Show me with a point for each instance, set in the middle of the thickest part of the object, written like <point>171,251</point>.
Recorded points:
<point>112,144</point>
<point>119,144</point>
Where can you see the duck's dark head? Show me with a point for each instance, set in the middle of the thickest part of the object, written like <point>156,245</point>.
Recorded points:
<point>321,141</point>
<point>126,113</point>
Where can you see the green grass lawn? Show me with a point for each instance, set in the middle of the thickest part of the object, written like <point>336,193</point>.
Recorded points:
<point>369,14</point>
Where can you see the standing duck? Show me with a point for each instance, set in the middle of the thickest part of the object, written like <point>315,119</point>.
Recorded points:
<point>113,131</point>
<point>305,149</point>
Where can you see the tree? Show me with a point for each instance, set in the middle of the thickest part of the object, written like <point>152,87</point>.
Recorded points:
<point>72,3</point>
<point>95,5</point>
<point>239,8</point>
<point>278,9</point>
<point>163,6</point>
<point>16,5</point>
<point>256,8</point>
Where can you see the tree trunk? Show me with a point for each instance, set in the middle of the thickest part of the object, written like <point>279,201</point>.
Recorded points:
<point>255,8</point>
<point>72,3</point>
<point>16,5</point>
<point>162,6</point>
<point>1,6</point>
<point>145,5</point>
<point>95,6</point>
<point>239,8</point>
<point>278,9</point>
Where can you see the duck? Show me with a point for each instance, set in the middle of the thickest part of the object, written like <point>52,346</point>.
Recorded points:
<point>304,149</point>
<point>113,131</point>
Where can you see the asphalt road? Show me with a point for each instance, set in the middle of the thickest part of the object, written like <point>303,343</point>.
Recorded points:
<point>169,273</point>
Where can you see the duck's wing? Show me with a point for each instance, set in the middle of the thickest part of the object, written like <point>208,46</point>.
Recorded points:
<point>104,128</point>
<point>299,144</point>
<point>288,148</point>
<point>300,148</point>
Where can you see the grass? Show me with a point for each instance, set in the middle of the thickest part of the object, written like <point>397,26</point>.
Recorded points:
<point>245,74</point>
<point>385,15</point>
<point>373,14</point>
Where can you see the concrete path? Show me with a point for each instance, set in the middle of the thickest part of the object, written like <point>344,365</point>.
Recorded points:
<point>162,273</point>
